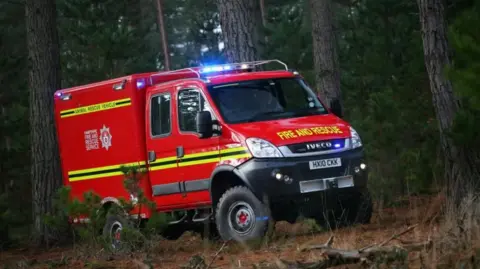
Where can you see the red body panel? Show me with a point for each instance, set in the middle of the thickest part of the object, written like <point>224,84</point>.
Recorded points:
<point>295,130</point>
<point>127,132</point>
<point>124,132</point>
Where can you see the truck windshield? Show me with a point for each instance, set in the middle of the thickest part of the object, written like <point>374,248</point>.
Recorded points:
<point>266,99</point>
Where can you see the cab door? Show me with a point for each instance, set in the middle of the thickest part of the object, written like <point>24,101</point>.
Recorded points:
<point>197,158</point>
<point>161,148</point>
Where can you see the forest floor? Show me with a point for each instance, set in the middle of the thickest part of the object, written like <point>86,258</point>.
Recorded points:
<point>286,245</point>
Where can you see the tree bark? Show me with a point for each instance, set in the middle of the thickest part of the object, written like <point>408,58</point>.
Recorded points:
<point>327,73</point>
<point>44,80</point>
<point>163,33</point>
<point>241,29</point>
<point>460,170</point>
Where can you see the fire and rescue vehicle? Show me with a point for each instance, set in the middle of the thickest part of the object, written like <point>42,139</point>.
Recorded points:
<point>233,145</point>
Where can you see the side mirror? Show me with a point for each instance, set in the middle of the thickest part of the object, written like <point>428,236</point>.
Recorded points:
<point>204,124</point>
<point>336,108</point>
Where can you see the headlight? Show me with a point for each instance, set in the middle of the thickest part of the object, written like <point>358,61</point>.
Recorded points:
<point>262,149</point>
<point>356,141</point>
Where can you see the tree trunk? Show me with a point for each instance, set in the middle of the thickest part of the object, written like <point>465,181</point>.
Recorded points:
<point>163,33</point>
<point>241,29</point>
<point>460,170</point>
<point>327,74</point>
<point>44,80</point>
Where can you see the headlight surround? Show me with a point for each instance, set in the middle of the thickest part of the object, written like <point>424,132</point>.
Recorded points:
<point>260,148</point>
<point>356,141</point>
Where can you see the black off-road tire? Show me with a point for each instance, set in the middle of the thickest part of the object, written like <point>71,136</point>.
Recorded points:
<point>113,223</point>
<point>361,210</point>
<point>240,199</point>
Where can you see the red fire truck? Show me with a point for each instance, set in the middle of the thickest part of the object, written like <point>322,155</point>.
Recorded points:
<point>233,145</point>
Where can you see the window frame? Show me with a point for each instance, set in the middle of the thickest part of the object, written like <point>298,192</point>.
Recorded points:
<point>169,110</point>
<point>214,117</point>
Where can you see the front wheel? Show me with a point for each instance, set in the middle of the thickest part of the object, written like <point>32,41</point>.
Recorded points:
<point>241,216</point>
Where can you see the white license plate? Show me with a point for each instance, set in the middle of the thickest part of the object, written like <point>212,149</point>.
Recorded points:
<point>325,163</point>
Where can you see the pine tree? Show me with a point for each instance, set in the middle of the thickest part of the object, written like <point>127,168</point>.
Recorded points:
<point>241,28</point>
<point>44,80</point>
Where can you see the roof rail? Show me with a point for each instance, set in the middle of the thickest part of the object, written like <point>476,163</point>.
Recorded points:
<point>262,62</point>
<point>191,70</point>
<point>240,65</point>
<point>178,71</point>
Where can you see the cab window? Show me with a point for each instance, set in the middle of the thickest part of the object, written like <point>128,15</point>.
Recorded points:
<point>265,99</point>
<point>160,115</point>
<point>190,101</point>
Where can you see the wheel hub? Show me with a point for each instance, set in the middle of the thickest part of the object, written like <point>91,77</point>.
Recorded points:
<point>116,232</point>
<point>241,217</point>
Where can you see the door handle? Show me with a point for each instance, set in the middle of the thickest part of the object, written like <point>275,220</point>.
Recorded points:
<point>152,156</point>
<point>180,152</point>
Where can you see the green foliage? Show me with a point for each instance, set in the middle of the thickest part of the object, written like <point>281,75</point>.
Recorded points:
<point>465,41</point>
<point>103,39</point>
<point>134,233</point>
<point>193,32</point>
<point>14,128</point>
<point>386,93</point>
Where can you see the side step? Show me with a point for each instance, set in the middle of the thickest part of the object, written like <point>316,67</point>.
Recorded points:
<point>202,215</point>
<point>182,219</point>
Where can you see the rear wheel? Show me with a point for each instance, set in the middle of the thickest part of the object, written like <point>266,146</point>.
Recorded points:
<point>241,216</point>
<point>112,230</point>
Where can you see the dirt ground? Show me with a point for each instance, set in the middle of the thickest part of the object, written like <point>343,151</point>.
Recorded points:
<point>287,241</point>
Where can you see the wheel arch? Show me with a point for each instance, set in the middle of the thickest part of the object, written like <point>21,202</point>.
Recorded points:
<point>224,177</point>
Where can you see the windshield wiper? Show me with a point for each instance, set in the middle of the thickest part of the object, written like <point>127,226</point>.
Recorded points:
<point>263,114</point>
<point>308,111</point>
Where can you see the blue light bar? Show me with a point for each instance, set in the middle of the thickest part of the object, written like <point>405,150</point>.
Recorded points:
<point>222,68</point>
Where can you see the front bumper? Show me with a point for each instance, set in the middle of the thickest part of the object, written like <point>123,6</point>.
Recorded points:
<point>260,175</point>
<point>309,191</point>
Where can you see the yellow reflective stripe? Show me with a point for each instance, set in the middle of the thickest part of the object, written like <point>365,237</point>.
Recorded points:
<point>96,176</point>
<point>98,169</point>
<point>201,154</point>
<point>164,160</point>
<point>187,160</point>
<point>203,161</point>
<point>162,167</point>
<point>233,149</point>
<point>239,156</point>
<point>95,108</point>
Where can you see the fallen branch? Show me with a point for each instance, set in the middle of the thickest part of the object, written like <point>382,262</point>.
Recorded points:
<point>395,236</point>
<point>336,256</point>
<point>216,254</point>
<point>326,245</point>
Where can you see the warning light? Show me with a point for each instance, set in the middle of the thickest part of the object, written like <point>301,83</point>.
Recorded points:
<point>140,83</point>
<point>223,68</point>
<point>62,96</point>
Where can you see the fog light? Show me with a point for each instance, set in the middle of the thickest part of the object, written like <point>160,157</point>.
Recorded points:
<point>363,166</point>
<point>277,175</point>
<point>357,170</point>
<point>287,179</point>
